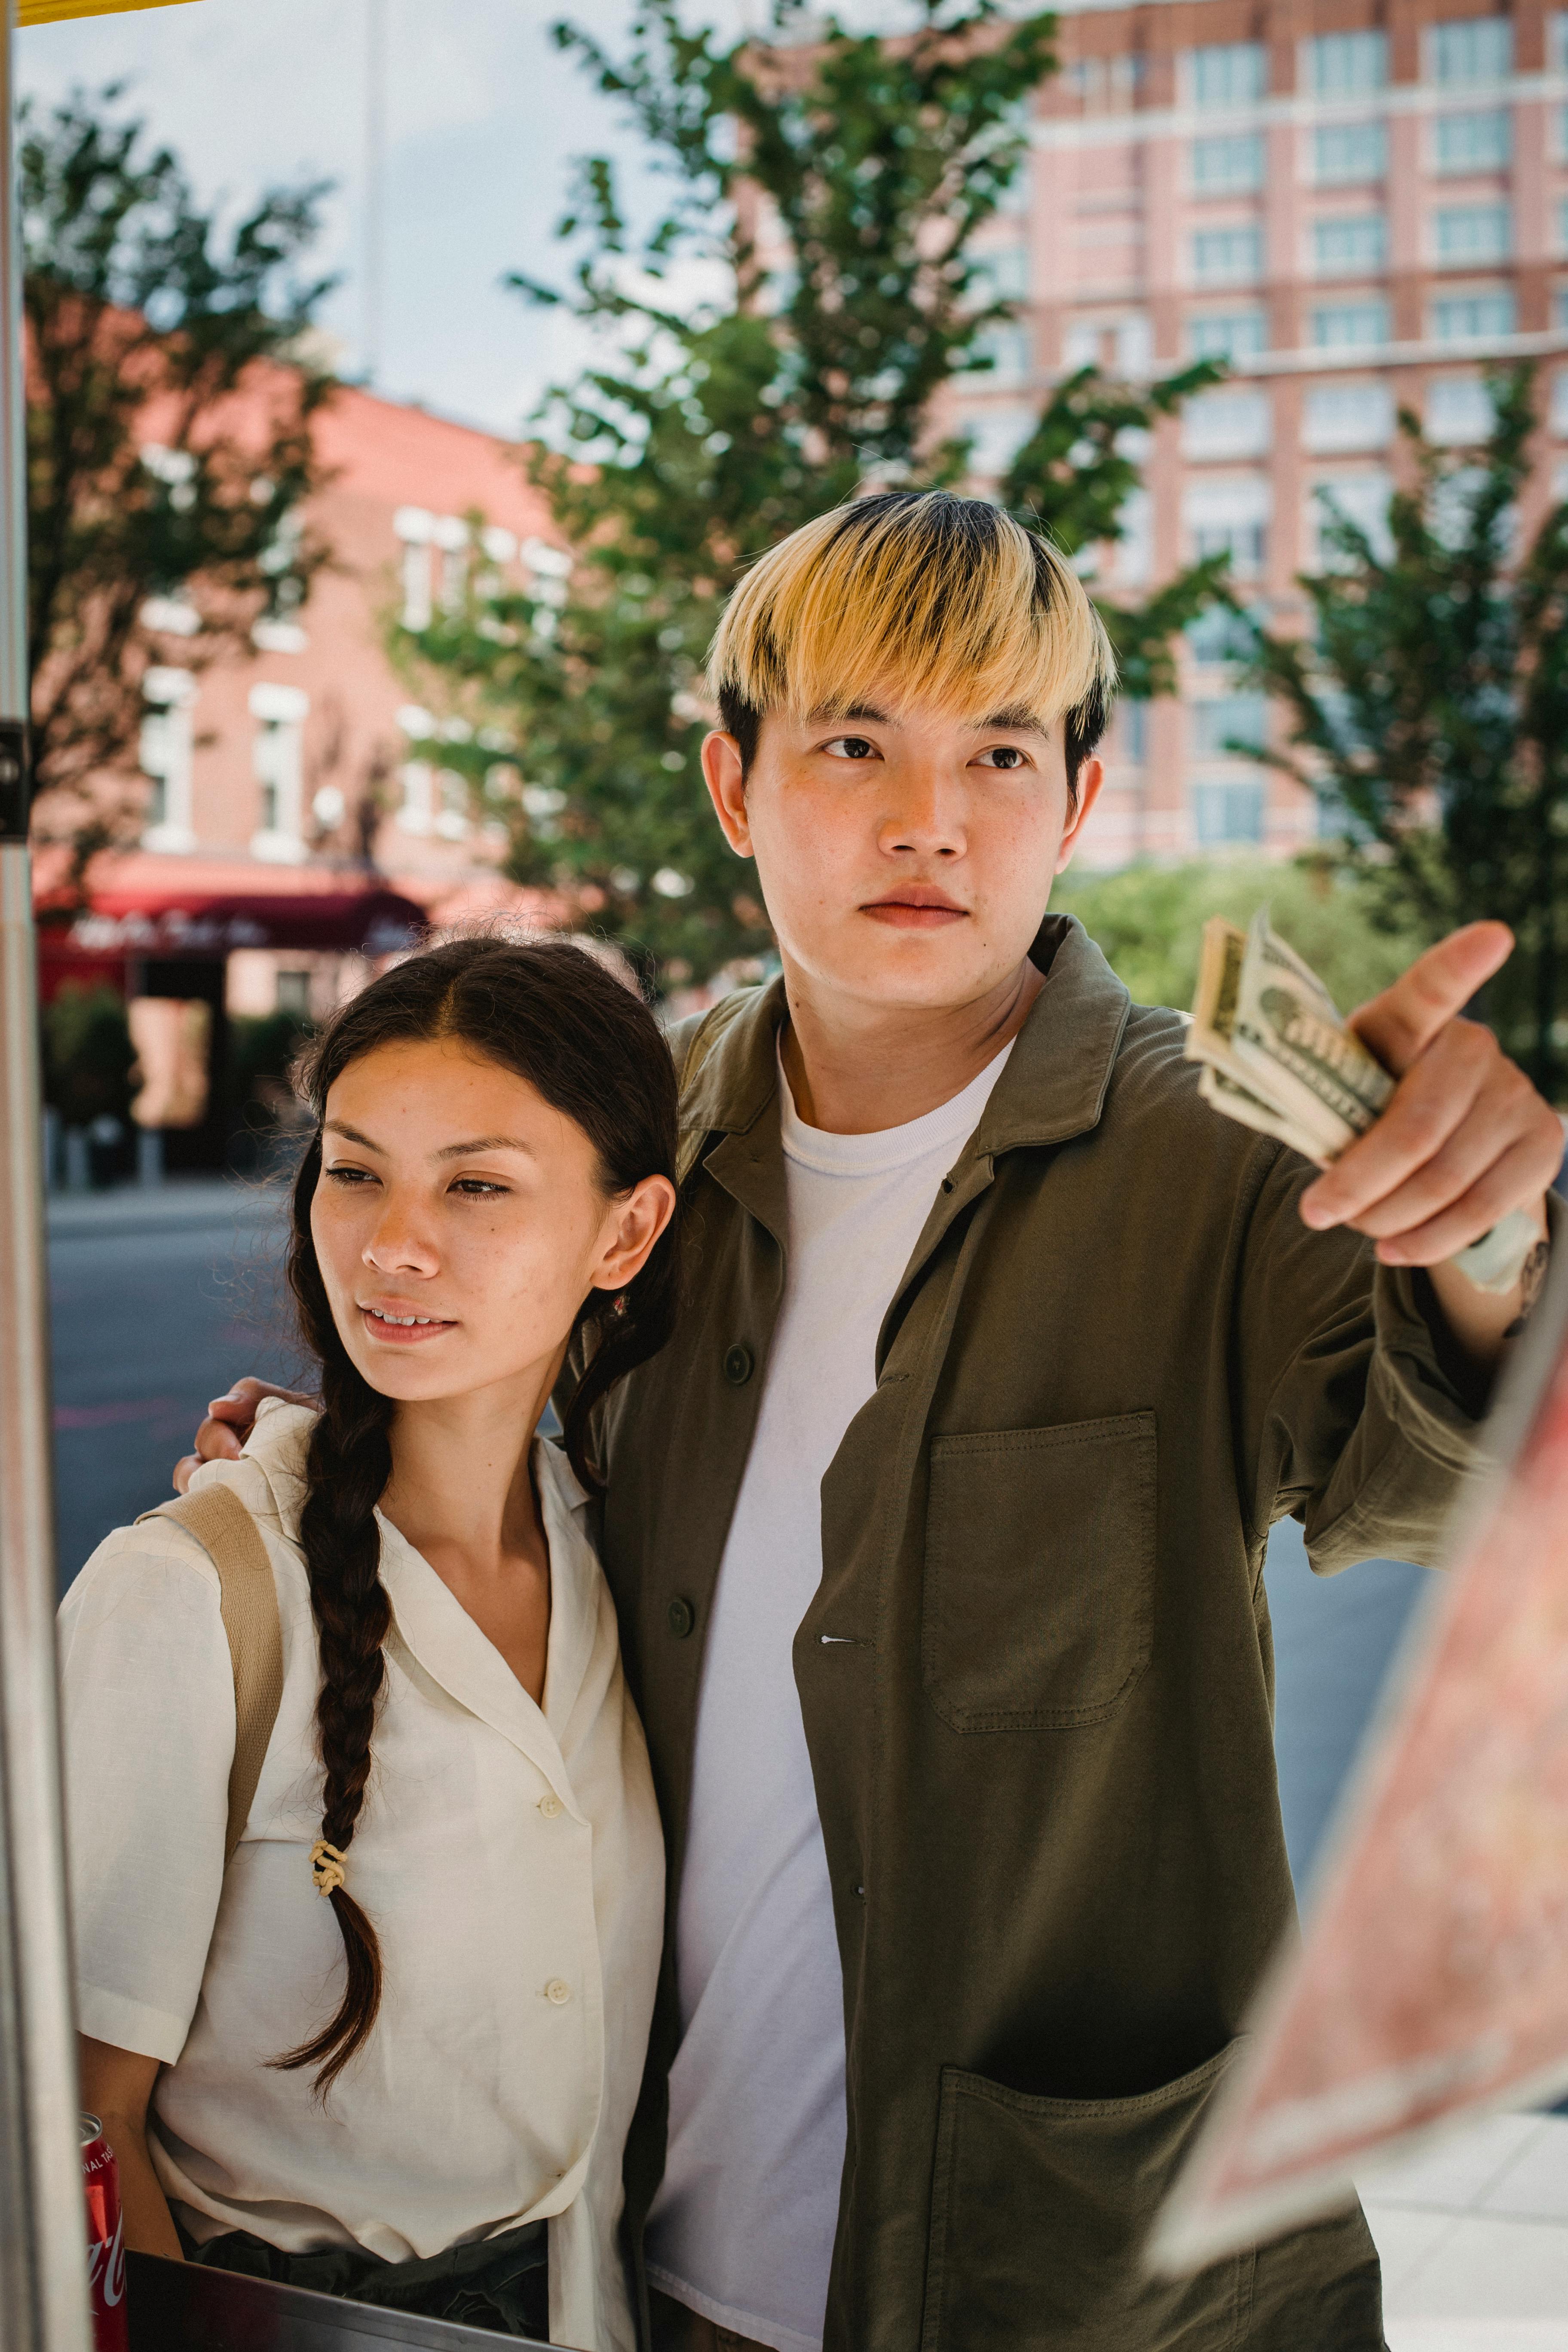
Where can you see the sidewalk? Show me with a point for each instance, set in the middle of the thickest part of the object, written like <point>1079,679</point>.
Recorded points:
<point>1473,2239</point>
<point>181,1203</point>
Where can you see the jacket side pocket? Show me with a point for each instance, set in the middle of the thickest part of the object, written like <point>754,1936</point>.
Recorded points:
<point>1040,2209</point>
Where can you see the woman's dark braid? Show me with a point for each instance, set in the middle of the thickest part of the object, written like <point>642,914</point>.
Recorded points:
<point>347,1468</point>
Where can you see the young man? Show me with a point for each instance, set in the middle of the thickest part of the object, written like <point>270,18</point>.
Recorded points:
<point>938,1530</point>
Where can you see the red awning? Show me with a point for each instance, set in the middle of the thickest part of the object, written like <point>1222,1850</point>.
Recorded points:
<point>201,909</point>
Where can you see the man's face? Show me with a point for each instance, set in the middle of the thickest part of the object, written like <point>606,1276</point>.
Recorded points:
<point>905,856</point>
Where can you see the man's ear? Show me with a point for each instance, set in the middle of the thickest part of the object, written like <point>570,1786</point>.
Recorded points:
<point>1091,776</point>
<point>724,774</point>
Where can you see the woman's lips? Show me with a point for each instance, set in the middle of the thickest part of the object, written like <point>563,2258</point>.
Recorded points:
<point>915,914</point>
<point>394,1331</point>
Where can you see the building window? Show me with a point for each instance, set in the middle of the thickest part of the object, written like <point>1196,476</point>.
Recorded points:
<point>1222,636</point>
<point>1134,344</point>
<point>1348,416</point>
<point>1132,731</point>
<point>1476,50</point>
<point>1228,813</point>
<point>1227,257</point>
<point>450,536</point>
<point>1223,167</point>
<point>1563,224</point>
<point>996,437</point>
<point>1345,153</point>
<point>166,758</point>
<point>1472,318</point>
<point>1472,142</point>
<point>1229,73</point>
<point>1559,403</point>
<point>1360,499</point>
<point>1463,234</point>
<point>280,713</point>
<point>417,814</point>
<point>1227,721</point>
<point>1001,274</point>
<point>1459,411</point>
<point>1107,84</point>
<point>294,993</point>
<point>1227,425</point>
<point>1347,244</point>
<point>1228,335</point>
<point>1346,65</point>
<point>1000,356</point>
<point>414,527</point>
<point>1350,325</point>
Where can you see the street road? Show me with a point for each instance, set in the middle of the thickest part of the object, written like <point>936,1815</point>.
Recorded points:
<point>161,1299</point>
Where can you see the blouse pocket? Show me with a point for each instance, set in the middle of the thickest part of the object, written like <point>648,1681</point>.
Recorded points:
<point>1039,2212</point>
<point>1039,1573</point>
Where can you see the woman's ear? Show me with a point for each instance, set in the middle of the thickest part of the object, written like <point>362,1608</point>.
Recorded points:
<point>637,1220</point>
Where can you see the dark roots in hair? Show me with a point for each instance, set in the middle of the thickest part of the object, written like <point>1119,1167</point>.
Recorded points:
<point>554,1015</point>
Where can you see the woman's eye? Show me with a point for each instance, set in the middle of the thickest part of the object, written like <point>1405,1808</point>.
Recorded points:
<point>1002,755</point>
<point>850,747</point>
<point>351,1175</point>
<point>475,1188</point>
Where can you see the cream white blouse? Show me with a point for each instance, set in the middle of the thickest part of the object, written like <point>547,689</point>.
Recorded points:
<point>509,1857</point>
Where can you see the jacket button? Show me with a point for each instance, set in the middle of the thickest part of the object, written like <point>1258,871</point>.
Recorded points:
<point>682,1617</point>
<point>550,1806</point>
<point>557,1992</point>
<point>738,1366</point>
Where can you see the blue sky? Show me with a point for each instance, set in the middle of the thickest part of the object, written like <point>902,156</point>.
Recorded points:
<point>483,116</point>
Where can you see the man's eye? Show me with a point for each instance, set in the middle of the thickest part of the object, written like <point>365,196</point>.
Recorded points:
<point>1002,755</point>
<point>850,747</point>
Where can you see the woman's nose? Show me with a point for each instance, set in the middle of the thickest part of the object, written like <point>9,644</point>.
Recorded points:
<point>398,1245</point>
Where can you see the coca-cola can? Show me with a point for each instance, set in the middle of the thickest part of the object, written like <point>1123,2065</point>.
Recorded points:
<point>105,2240</point>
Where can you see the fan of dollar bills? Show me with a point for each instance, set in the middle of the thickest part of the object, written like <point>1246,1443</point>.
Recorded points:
<point>1276,1057</point>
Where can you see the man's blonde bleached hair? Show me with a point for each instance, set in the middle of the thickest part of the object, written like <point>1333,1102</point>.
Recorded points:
<point>923,595</point>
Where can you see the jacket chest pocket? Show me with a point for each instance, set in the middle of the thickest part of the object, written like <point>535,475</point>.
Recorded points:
<point>1039,1573</point>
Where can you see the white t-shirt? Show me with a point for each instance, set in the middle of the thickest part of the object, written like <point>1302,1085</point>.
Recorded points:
<point>510,1855</point>
<point>743,2228</point>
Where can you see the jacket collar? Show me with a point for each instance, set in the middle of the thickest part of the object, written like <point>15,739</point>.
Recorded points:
<point>1053,1086</point>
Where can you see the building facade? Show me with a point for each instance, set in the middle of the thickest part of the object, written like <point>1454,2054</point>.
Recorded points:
<point>1357,207</point>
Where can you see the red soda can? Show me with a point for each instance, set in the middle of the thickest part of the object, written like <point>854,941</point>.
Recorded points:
<point>105,2240</point>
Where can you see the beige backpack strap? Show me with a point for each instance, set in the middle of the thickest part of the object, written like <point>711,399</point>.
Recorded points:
<point>249,1599</point>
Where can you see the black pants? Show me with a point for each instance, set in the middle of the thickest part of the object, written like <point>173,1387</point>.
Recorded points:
<point>500,2283</point>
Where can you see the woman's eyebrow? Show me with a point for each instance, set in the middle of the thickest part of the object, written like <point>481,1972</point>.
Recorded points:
<point>486,1143</point>
<point>350,1135</point>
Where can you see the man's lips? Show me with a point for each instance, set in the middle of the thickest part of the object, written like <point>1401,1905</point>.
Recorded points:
<point>396,1325</point>
<point>916,907</point>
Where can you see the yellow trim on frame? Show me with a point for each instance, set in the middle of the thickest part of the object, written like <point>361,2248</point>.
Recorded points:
<point>49,12</point>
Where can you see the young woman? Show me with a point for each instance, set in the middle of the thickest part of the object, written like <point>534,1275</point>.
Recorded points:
<point>414,2092</point>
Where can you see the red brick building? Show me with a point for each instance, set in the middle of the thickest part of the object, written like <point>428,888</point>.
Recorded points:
<point>1359,208</point>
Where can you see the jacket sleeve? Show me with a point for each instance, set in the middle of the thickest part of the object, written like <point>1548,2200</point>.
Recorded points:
<point>1348,1420</point>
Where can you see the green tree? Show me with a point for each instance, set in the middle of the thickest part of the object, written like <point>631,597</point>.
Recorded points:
<point>89,1060</point>
<point>1148,921</point>
<point>170,399</point>
<point>1427,704</point>
<point>828,194</point>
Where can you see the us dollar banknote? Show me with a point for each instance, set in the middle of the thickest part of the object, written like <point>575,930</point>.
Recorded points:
<point>1276,1057</point>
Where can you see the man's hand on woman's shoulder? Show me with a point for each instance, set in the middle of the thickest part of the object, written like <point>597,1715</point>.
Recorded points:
<point>229,1422</point>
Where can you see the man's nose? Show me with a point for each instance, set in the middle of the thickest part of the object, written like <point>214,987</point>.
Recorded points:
<point>927,816</point>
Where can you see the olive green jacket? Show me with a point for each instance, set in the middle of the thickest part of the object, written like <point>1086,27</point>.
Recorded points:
<point>1037,1676</point>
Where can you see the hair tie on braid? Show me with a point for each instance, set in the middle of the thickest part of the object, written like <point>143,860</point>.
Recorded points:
<point>326,1867</point>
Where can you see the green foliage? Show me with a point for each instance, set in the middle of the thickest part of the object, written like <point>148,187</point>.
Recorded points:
<point>1428,703</point>
<point>263,1051</point>
<point>830,191</point>
<point>89,1059</point>
<point>1148,921</point>
<point>168,449</point>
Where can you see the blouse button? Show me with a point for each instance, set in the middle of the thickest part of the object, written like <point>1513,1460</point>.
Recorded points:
<point>550,1807</point>
<point>557,1990</point>
<point>681,1617</point>
<point>737,1365</point>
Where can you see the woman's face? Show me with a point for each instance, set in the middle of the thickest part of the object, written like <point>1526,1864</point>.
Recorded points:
<point>460,1225</point>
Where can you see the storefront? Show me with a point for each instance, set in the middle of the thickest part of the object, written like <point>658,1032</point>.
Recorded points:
<point>159,932</point>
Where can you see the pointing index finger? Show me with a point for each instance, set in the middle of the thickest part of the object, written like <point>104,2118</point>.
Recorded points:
<point>1398,1025</point>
